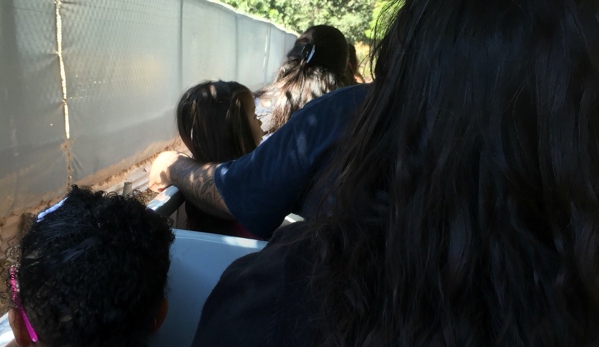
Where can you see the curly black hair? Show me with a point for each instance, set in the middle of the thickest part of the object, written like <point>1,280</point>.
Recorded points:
<point>94,272</point>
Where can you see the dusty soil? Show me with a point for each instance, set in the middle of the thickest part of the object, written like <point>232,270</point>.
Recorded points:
<point>147,196</point>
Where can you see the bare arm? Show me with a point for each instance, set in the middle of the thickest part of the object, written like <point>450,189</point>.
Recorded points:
<point>195,180</point>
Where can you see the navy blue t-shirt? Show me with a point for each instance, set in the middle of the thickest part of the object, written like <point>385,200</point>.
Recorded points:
<point>262,187</point>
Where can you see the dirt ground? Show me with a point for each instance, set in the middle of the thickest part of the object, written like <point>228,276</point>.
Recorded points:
<point>147,196</point>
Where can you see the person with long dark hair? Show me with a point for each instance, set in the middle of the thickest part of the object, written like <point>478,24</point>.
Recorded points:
<point>352,73</point>
<point>314,66</point>
<point>217,123</point>
<point>462,205</point>
<point>262,187</point>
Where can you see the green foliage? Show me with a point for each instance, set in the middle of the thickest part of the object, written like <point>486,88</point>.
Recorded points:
<point>382,14</point>
<point>350,16</point>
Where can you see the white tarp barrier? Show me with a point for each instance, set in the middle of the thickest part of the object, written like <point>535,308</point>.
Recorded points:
<point>33,165</point>
<point>89,87</point>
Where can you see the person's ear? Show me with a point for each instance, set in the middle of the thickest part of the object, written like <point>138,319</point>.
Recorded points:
<point>160,315</point>
<point>19,329</point>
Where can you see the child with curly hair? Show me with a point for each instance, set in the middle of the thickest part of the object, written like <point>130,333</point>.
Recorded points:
<point>91,271</point>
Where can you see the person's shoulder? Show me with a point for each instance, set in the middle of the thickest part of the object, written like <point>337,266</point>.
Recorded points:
<point>351,95</point>
<point>356,89</point>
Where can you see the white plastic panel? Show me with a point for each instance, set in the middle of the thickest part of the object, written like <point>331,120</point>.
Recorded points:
<point>197,262</point>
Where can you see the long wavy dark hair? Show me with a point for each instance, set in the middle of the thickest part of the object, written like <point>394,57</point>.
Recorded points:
<point>352,73</point>
<point>304,77</point>
<point>213,123</point>
<point>466,208</point>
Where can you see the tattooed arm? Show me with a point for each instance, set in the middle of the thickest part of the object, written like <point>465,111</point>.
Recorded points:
<point>194,180</point>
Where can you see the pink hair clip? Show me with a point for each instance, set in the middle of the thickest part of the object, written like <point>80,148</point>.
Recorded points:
<point>17,301</point>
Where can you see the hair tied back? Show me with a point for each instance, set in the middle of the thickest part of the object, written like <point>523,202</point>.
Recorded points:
<point>308,52</point>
